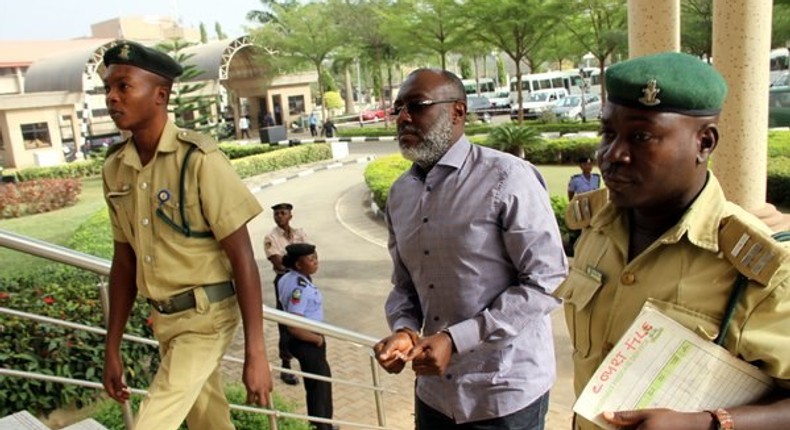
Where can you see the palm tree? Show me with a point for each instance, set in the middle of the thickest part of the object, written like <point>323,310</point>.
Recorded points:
<point>514,139</point>
<point>267,15</point>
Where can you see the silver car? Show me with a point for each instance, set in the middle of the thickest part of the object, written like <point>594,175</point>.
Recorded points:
<point>570,108</point>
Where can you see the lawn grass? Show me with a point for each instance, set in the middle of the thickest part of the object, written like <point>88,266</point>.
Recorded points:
<point>56,227</point>
<point>557,178</point>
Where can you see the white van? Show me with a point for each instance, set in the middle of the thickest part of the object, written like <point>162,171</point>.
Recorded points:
<point>539,101</point>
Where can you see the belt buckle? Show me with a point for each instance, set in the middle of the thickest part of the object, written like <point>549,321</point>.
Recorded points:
<point>165,306</point>
<point>169,305</point>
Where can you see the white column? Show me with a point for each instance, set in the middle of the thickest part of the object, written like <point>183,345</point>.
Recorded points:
<point>653,26</point>
<point>741,48</point>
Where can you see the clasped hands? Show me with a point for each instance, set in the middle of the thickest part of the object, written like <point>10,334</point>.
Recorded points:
<point>429,355</point>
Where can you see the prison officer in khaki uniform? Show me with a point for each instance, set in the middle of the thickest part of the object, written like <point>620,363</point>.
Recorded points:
<point>179,214</point>
<point>663,232</point>
<point>274,244</point>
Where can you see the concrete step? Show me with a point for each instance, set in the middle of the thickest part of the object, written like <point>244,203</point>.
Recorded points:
<point>22,420</point>
<point>89,424</point>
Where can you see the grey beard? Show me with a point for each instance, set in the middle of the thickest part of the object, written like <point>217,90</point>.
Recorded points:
<point>435,143</point>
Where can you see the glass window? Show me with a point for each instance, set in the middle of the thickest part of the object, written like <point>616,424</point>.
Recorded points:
<point>36,135</point>
<point>295,105</point>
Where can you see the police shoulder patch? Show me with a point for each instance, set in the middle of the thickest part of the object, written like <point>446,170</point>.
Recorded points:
<point>583,207</point>
<point>296,295</point>
<point>754,253</point>
<point>204,142</point>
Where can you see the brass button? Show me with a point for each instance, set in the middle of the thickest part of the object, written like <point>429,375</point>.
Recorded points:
<point>144,185</point>
<point>628,278</point>
<point>145,221</point>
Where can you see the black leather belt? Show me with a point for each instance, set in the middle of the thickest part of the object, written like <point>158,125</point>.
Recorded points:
<point>186,300</point>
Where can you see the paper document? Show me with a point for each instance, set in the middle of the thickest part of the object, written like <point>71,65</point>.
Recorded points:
<point>659,363</point>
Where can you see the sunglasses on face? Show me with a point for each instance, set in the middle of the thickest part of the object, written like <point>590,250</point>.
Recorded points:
<point>417,106</point>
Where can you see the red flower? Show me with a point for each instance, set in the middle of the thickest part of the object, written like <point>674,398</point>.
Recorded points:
<point>150,321</point>
<point>4,295</point>
<point>48,300</point>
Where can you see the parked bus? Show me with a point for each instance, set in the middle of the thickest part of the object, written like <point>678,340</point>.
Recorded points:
<point>484,87</point>
<point>570,80</point>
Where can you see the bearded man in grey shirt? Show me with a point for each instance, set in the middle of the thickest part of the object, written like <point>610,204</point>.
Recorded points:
<point>476,253</point>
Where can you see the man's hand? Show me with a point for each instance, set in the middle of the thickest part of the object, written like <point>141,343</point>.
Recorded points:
<point>113,378</point>
<point>432,354</point>
<point>660,419</point>
<point>257,379</point>
<point>391,351</point>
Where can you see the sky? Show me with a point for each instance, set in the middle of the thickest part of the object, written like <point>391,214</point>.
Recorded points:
<point>69,19</point>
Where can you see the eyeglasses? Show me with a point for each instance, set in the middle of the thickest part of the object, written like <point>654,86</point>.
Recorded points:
<point>416,106</point>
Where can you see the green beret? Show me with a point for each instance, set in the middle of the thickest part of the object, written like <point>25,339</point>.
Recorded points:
<point>150,59</point>
<point>667,82</point>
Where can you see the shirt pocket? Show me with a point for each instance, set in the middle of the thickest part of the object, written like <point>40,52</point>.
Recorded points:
<point>700,323</point>
<point>122,202</point>
<point>578,291</point>
<point>171,223</point>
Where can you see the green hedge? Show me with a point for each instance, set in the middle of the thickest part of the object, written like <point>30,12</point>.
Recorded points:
<point>234,151</point>
<point>381,173</point>
<point>77,169</point>
<point>69,294</point>
<point>92,167</point>
<point>288,157</point>
<point>473,129</point>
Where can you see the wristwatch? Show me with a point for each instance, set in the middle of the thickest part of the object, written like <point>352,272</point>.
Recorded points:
<point>723,419</point>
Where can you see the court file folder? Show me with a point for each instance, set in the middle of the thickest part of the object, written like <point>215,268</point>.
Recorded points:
<point>659,363</point>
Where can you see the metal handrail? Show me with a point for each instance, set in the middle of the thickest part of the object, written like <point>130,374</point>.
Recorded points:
<point>265,411</point>
<point>101,267</point>
<point>154,343</point>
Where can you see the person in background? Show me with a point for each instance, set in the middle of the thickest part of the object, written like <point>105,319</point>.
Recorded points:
<point>476,253</point>
<point>244,126</point>
<point>312,121</point>
<point>192,262</point>
<point>584,181</point>
<point>662,231</point>
<point>329,129</point>
<point>274,246</point>
<point>581,183</point>
<point>268,120</point>
<point>298,295</point>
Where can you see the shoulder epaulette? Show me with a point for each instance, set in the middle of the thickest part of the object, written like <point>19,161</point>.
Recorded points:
<point>115,147</point>
<point>204,142</point>
<point>576,175</point>
<point>754,253</point>
<point>583,207</point>
<point>302,282</point>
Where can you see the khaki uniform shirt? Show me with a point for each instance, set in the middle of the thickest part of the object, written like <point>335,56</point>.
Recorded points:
<point>216,200</point>
<point>688,273</point>
<point>275,242</point>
